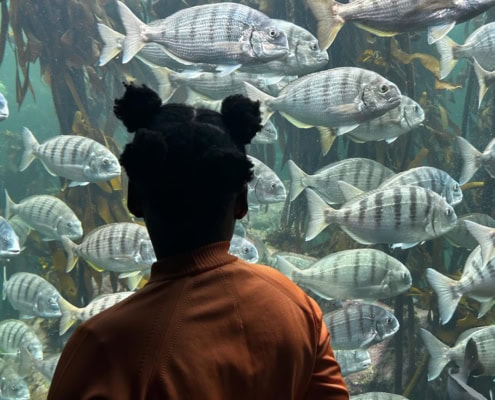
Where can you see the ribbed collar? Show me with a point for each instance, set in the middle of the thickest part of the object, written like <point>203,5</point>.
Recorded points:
<point>195,262</point>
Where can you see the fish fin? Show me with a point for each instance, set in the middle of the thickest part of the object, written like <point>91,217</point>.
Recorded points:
<point>25,316</point>
<point>47,168</point>
<point>77,183</point>
<point>296,122</point>
<point>133,25</point>
<point>297,180</point>
<point>481,75</point>
<point>166,86</point>
<point>224,70</point>
<point>485,306</point>
<point>133,281</point>
<point>176,58</point>
<point>471,157</point>
<point>355,139</point>
<point>258,95</point>
<point>329,22</point>
<point>112,43</point>
<point>403,246</point>
<point>445,47</point>
<point>319,214</point>
<point>125,275</point>
<point>327,137</point>
<point>448,298</point>
<point>26,361</point>
<point>341,130</point>
<point>30,145</point>
<point>485,236</point>
<point>95,267</point>
<point>285,267</point>
<point>8,205</point>
<point>376,32</point>
<point>391,140</point>
<point>438,32</point>
<point>439,354</point>
<point>368,339</point>
<point>355,237</point>
<point>349,191</point>
<point>70,314</point>
<point>4,291</point>
<point>69,247</point>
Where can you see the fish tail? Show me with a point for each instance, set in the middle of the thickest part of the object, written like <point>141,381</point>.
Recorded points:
<point>328,21</point>
<point>30,145</point>
<point>439,354</point>
<point>72,258</point>
<point>285,267</point>
<point>70,314</point>
<point>471,158</point>
<point>297,180</point>
<point>448,296</point>
<point>9,206</point>
<point>112,43</point>
<point>485,236</point>
<point>133,42</point>
<point>257,95</point>
<point>133,278</point>
<point>166,85</point>
<point>319,213</point>
<point>482,76</point>
<point>485,306</point>
<point>445,47</point>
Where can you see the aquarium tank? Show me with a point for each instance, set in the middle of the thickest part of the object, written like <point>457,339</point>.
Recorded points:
<point>373,183</point>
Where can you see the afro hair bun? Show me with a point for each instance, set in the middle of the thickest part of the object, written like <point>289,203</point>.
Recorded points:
<point>242,118</point>
<point>137,108</point>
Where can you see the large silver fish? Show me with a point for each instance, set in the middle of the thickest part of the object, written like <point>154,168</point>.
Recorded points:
<point>352,274</point>
<point>485,79</point>
<point>9,241</point>
<point>351,361</point>
<point>224,34</point>
<point>4,107</point>
<point>71,314</point>
<point>12,386</point>
<point>460,235</point>
<point>77,158</point>
<point>474,159</point>
<point>362,173</point>
<point>32,295</point>
<point>121,247</point>
<point>16,334</point>
<point>244,249</point>
<point>360,325</point>
<point>340,98</point>
<point>479,45</point>
<point>391,125</point>
<point>378,396</point>
<point>402,216</point>
<point>265,187</point>
<point>48,215</point>
<point>389,17</point>
<point>430,178</point>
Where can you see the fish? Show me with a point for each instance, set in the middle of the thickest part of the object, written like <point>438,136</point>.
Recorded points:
<point>244,249</point>
<point>378,396</point>
<point>477,282</point>
<point>394,123</point>
<point>12,386</point>
<point>485,236</point>
<point>301,261</point>
<point>267,135</point>
<point>363,173</point>
<point>400,216</point>
<point>15,334</point>
<point>338,98</point>
<point>458,389</point>
<point>367,274</point>
<point>227,35</point>
<point>360,325</point>
<point>351,361</point>
<point>31,295</point>
<point>430,178</point>
<point>265,187</point>
<point>78,158</point>
<point>485,79</point>
<point>478,358</point>
<point>9,241</point>
<point>388,18</point>
<point>48,215</point>
<point>474,159</point>
<point>460,235</point>
<point>239,229</point>
<point>70,313</point>
<point>4,107</point>
<point>21,228</point>
<point>479,45</point>
<point>122,247</point>
<point>441,354</point>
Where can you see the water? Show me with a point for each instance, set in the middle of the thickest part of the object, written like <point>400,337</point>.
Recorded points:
<point>52,49</point>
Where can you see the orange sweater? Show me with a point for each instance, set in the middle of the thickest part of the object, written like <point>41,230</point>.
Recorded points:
<point>207,326</point>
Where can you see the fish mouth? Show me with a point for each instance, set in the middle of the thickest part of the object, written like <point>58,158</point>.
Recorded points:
<point>394,101</point>
<point>11,252</point>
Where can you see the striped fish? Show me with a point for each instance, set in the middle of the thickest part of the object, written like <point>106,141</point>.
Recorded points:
<point>477,282</point>
<point>9,241</point>
<point>428,178</point>
<point>71,314</point>
<point>362,173</point>
<point>378,396</point>
<point>224,34</point>
<point>340,98</point>
<point>474,159</point>
<point>78,158</point>
<point>352,274</point>
<point>48,215</point>
<point>351,361</point>
<point>265,187</point>
<point>460,236</point>
<point>121,247</point>
<point>360,325</point>
<point>479,359</point>
<point>15,334</point>
<point>12,386</point>
<point>394,123</point>
<point>402,216</point>
<point>31,295</point>
<point>479,45</point>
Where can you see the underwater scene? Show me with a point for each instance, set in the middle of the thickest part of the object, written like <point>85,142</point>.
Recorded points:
<point>373,175</point>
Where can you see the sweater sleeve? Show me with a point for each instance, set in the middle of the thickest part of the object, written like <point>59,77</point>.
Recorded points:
<point>86,372</point>
<point>326,381</point>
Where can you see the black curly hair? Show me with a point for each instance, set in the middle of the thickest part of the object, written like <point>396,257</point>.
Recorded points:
<point>181,154</point>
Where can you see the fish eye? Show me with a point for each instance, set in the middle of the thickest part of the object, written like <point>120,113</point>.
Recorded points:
<point>416,108</point>
<point>389,321</point>
<point>383,89</point>
<point>273,33</point>
<point>106,161</point>
<point>273,185</point>
<point>456,187</point>
<point>313,46</point>
<point>245,250</point>
<point>448,212</point>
